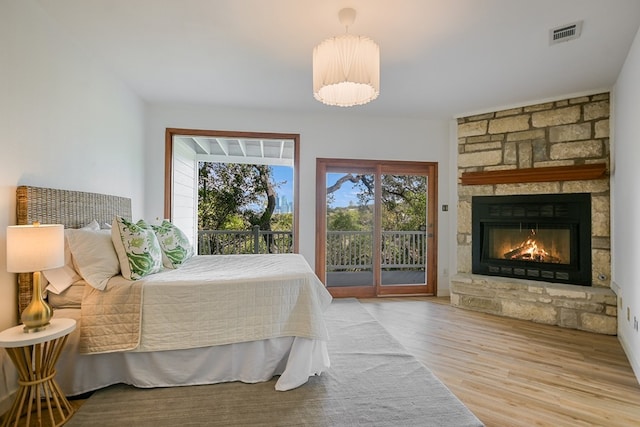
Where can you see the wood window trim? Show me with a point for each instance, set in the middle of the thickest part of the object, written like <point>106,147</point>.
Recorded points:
<point>170,133</point>
<point>545,174</point>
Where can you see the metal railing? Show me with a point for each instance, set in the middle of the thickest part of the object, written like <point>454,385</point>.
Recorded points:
<point>254,241</point>
<point>346,250</point>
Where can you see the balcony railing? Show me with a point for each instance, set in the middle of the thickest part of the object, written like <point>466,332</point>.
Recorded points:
<point>346,250</point>
<point>353,250</point>
<point>254,241</point>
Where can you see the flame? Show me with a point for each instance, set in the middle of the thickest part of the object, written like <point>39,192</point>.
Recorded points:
<point>529,250</point>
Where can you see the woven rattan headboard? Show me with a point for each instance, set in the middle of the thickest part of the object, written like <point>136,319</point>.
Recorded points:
<point>73,209</point>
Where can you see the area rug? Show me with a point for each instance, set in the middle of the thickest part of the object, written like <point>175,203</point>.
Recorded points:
<point>373,381</point>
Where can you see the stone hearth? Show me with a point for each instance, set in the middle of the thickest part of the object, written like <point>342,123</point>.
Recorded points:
<point>567,133</point>
<point>577,307</point>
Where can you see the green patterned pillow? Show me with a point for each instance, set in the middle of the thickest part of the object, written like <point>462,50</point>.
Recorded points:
<point>175,246</point>
<point>137,247</point>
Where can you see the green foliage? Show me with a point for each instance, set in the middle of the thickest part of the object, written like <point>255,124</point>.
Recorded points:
<point>235,196</point>
<point>282,222</point>
<point>404,201</point>
<point>235,222</point>
<point>403,198</point>
<point>350,219</point>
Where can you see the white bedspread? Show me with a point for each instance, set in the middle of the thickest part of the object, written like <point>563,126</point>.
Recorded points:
<point>215,319</point>
<point>294,359</point>
<point>223,299</point>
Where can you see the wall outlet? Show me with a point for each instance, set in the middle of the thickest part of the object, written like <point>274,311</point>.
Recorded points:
<point>445,272</point>
<point>628,314</point>
<point>635,323</point>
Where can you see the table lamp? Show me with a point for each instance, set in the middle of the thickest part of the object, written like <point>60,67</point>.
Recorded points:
<point>31,249</point>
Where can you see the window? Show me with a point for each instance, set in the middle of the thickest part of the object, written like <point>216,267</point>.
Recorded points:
<point>186,149</point>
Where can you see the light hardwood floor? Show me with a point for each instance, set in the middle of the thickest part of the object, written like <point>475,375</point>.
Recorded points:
<point>512,372</point>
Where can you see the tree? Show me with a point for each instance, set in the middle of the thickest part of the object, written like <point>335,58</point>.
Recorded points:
<point>235,196</point>
<point>229,193</point>
<point>263,220</point>
<point>282,222</point>
<point>263,184</point>
<point>365,182</point>
<point>342,219</point>
<point>403,199</point>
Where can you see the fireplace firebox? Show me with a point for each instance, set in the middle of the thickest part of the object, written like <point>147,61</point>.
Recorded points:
<point>543,237</point>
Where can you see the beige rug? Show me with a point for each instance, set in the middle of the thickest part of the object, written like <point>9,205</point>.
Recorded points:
<point>372,381</point>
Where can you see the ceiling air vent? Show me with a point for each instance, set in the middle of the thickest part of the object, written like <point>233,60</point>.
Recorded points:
<point>565,33</point>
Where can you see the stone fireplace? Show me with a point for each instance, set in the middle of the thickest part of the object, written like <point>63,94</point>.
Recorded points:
<point>533,214</point>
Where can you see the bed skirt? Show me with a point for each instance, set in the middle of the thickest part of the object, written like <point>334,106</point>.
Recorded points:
<point>294,359</point>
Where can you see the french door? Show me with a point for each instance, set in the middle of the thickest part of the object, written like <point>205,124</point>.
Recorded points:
<point>376,227</point>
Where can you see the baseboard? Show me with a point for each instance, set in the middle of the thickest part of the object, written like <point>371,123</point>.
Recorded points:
<point>631,357</point>
<point>624,328</point>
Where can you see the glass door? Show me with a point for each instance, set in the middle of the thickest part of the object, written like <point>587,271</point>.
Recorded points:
<point>407,228</point>
<point>350,211</point>
<point>376,227</point>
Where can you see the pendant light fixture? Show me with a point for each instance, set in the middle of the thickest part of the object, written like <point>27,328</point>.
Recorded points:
<point>346,68</point>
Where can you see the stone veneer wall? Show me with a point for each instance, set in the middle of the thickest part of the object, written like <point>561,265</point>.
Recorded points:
<point>569,132</point>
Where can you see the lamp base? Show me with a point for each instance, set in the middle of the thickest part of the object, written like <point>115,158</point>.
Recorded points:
<point>37,314</point>
<point>32,329</point>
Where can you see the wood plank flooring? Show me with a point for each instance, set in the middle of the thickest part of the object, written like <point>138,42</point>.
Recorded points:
<point>516,373</point>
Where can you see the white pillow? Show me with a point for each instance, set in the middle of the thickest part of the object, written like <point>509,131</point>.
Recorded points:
<point>94,256</point>
<point>69,298</point>
<point>93,225</point>
<point>137,247</point>
<point>61,278</point>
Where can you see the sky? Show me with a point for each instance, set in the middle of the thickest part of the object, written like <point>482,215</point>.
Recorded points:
<point>346,194</point>
<point>284,175</point>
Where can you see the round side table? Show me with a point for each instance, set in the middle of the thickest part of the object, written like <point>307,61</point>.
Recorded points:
<point>35,355</point>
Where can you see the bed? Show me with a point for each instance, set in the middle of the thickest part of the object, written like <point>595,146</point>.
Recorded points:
<point>212,319</point>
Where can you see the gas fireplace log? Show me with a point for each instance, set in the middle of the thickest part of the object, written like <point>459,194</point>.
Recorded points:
<point>516,253</point>
<point>550,259</point>
<point>522,254</point>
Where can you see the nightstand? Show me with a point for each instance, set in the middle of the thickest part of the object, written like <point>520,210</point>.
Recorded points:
<point>35,355</point>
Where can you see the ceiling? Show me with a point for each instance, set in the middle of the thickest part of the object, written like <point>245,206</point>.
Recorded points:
<point>440,58</point>
<point>240,150</point>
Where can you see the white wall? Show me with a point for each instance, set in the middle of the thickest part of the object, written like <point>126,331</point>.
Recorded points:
<point>340,133</point>
<point>65,123</point>
<point>625,203</point>
<point>185,190</point>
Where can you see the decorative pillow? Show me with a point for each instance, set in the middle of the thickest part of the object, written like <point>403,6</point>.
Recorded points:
<point>61,278</point>
<point>175,246</point>
<point>137,248</point>
<point>94,256</point>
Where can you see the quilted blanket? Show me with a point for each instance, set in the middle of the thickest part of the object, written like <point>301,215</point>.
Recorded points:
<point>210,300</point>
<point>110,319</point>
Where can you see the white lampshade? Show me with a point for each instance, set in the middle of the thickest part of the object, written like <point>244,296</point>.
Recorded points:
<point>346,70</point>
<point>36,247</point>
